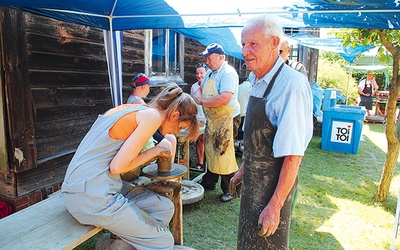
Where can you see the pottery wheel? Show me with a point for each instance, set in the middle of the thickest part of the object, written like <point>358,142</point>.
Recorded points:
<point>151,171</point>
<point>191,192</point>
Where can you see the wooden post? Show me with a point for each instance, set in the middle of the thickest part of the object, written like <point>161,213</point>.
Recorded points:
<point>173,191</point>
<point>17,93</point>
<point>186,157</point>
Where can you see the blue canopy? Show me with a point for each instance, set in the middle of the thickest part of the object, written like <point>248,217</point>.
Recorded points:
<point>186,16</point>
<point>149,14</point>
<point>331,44</point>
<point>229,38</point>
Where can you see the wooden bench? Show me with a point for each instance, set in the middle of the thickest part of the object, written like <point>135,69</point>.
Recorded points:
<point>48,224</point>
<point>44,225</point>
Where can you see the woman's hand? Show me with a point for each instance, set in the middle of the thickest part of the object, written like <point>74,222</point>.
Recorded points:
<point>163,152</point>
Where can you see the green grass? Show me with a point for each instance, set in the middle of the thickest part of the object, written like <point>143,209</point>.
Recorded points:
<point>335,208</point>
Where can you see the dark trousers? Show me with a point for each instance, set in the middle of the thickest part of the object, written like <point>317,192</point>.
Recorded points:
<point>236,123</point>
<point>210,179</point>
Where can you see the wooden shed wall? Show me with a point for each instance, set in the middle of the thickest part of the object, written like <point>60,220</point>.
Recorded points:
<point>66,72</point>
<point>56,83</point>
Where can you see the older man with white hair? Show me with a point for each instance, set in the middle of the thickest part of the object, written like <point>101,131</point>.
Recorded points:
<point>277,129</point>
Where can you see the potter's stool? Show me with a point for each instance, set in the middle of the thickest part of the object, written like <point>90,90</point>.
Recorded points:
<point>169,185</point>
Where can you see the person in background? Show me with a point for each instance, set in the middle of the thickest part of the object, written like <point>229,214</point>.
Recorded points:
<point>93,190</point>
<point>219,98</point>
<point>366,88</point>
<point>200,72</point>
<point>284,52</point>
<point>140,89</point>
<point>277,129</point>
<point>243,98</point>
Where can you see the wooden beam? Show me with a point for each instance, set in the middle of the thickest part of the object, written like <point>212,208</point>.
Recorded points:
<point>19,104</point>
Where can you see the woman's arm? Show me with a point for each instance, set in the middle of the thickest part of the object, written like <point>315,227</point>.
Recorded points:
<point>128,156</point>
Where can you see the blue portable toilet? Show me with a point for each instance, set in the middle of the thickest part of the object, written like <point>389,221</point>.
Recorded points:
<point>341,124</point>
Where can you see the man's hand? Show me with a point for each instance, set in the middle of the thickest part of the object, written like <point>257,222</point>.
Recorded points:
<point>198,99</point>
<point>269,220</point>
<point>235,185</point>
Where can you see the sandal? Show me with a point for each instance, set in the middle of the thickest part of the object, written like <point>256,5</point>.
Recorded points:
<point>199,166</point>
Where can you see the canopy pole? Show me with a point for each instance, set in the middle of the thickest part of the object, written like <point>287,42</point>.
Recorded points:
<point>348,83</point>
<point>113,46</point>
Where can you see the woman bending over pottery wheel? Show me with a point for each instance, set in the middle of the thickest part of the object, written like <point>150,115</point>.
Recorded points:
<point>93,190</point>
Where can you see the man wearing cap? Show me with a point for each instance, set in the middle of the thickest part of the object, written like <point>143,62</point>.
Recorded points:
<point>219,97</point>
<point>140,89</point>
<point>366,87</point>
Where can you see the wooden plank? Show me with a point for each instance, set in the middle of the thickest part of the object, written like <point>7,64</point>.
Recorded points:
<point>45,225</point>
<point>74,46</point>
<point>64,30</point>
<point>71,96</point>
<point>57,79</point>
<point>42,61</point>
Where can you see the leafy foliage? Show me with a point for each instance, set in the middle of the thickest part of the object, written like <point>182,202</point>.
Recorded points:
<point>370,36</point>
<point>333,57</point>
<point>331,74</point>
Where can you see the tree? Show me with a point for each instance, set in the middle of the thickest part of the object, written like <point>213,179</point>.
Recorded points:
<point>386,40</point>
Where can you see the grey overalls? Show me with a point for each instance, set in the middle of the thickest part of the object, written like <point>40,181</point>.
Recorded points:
<point>94,196</point>
<point>260,177</point>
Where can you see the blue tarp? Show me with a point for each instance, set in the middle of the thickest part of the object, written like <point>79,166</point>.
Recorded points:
<point>331,44</point>
<point>229,38</point>
<point>117,15</point>
<point>178,14</point>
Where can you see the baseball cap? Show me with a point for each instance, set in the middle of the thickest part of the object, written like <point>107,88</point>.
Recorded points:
<point>213,48</point>
<point>140,80</point>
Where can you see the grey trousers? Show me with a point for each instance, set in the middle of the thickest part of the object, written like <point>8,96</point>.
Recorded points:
<point>136,214</point>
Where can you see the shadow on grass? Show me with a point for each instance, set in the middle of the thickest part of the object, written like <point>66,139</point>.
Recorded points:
<point>377,127</point>
<point>327,174</point>
<point>304,236</point>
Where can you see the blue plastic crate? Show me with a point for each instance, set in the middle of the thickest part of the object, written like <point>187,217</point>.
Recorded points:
<point>342,128</point>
